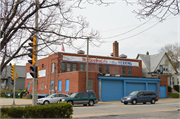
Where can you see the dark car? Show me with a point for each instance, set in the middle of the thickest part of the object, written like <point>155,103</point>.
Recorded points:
<point>81,98</point>
<point>140,97</point>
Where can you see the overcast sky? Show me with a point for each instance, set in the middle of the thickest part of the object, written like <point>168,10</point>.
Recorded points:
<point>117,19</point>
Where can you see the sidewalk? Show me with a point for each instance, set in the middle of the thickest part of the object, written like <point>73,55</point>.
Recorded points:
<point>25,102</point>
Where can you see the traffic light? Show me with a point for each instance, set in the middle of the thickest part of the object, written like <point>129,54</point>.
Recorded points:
<point>35,71</point>
<point>16,75</point>
<point>12,81</point>
<point>12,71</point>
<point>32,50</point>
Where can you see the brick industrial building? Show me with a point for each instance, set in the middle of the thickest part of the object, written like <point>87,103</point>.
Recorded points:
<point>66,73</point>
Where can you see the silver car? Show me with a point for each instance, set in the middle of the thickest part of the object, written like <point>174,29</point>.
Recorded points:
<point>51,98</point>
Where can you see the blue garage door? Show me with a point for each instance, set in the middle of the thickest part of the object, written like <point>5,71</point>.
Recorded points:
<point>153,87</point>
<point>111,90</point>
<point>130,87</point>
<point>163,92</point>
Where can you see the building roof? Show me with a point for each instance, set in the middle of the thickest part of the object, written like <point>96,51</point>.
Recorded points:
<point>152,61</point>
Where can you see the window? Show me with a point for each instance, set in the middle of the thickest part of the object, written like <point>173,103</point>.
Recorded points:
<point>107,69</point>
<point>68,67</point>
<point>173,81</point>
<point>42,86</point>
<point>100,68</point>
<point>63,66</point>
<point>85,95</point>
<point>129,71</point>
<point>161,69</point>
<point>82,67</point>
<point>124,71</point>
<point>67,85</point>
<point>42,65</point>
<point>62,95</point>
<point>79,95</point>
<point>90,84</point>
<point>52,85</point>
<point>53,65</point>
<point>74,66</point>
<point>178,81</point>
<point>59,85</point>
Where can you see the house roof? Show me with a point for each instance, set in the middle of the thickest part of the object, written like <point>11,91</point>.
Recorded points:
<point>152,61</point>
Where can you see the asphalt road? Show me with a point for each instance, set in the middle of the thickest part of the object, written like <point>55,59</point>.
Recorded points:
<point>163,109</point>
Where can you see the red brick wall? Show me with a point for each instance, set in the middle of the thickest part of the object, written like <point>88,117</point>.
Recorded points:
<point>164,81</point>
<point>77,79</point>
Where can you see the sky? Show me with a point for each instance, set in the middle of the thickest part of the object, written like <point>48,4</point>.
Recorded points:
<point>117,19</point>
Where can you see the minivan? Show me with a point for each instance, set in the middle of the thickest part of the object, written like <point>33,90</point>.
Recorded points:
<point>142,96</point>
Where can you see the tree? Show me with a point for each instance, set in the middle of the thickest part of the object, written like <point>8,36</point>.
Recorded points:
<point>157,8</point>
<point>173,51</point>
<point>56,25</point>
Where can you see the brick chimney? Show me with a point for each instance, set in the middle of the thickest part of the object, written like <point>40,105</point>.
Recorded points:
<point>115,49</point>
<point>147,53</point>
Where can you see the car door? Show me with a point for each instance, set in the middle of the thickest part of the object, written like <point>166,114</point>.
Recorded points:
<point>85,98</point>
<point>78,98</point>
<point>54,98</point>
<point>140,97</point>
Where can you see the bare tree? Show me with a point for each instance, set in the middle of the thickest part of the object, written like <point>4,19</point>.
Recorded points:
<point>56,25</point>
<point>157,8</point>
<point>173,51</point>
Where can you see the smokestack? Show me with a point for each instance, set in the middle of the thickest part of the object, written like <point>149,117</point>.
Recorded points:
<point>115,49</point>
<point>147,53</point>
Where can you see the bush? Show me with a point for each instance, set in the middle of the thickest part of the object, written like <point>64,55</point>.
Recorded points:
<point>173,95</point>
<point>169,89</point>
<point>176,87</point>
<point>60,110</point>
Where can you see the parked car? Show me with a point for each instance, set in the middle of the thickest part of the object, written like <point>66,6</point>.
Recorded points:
<point>81,98</point>
<point>51,98</point>
<point>140,97</point>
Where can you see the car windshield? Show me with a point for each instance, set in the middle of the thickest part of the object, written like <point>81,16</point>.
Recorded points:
<point>73,95</point>
<point>134,93</point>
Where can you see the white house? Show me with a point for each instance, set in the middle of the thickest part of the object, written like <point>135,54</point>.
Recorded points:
<point>159,64</point>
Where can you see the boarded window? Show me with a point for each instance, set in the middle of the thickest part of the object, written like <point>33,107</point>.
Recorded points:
<point>67,85</point>
<point>59,85</point>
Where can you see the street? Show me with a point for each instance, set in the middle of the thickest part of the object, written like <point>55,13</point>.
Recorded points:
<point>163,109</point>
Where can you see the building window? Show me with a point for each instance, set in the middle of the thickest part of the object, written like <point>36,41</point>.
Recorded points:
<point>100,68</point>
<point>42,65</point>
<point>90,84</point>
<point>82,67</point>
<point>129,71</point>
<point>173,81</point>
<point>74,66</point>
<point>68,67</point>
<point>42,86</point>
<point>107,69</point>
<point>161,69</point>
<point>124,71</point>
<point>52,86</point>
<point>67,85</point>
<point>59,85</point>
<point>63,66</point>
<point>178,81</point>
<point>53,65</point>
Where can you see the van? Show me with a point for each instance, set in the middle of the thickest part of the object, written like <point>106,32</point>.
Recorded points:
<point>142,96</point>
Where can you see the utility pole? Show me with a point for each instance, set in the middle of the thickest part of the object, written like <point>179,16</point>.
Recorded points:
<point>35,79</point>
<point>87,60</point>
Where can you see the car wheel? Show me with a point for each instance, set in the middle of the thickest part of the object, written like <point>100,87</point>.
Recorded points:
<point>70,102</point>
<point>125,103</point>
<point>144,102</point>
<point>134,102</point>
<point>91,103</point>
<point>85,104</point>
<point>153,101</point>
<point>46,102</point>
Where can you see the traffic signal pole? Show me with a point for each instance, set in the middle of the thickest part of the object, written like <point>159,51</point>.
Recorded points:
<point>14,85</point>
<point>34,101</point>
